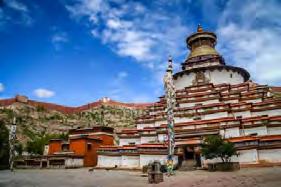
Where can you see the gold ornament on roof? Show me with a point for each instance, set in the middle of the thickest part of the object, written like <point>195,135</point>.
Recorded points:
<point>199,28</point>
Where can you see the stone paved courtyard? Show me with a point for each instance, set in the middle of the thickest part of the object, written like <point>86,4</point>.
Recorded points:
<point>252,177</point>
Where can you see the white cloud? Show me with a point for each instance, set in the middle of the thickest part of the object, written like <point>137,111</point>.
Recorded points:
<point>44,93</point>
<point>250,38</point>
<point>19,7</point>
<point>131,29</point>
<point>2,87</point>
<point>58,39</point>
<point>122,75</point>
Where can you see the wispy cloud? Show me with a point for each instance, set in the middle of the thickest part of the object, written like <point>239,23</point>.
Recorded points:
<point>250,38</point>
<point>122,75</point>
<point>134,30</point>
<point>14,11</point>
<point>17,5</point>
<point>58,39</point>
<point>43,93</point>
<point>2,87</point>
<point>121,90</point>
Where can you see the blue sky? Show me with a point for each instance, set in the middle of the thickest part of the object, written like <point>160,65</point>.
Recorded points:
<point>73,52</point>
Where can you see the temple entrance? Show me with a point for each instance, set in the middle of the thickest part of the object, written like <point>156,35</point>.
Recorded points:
<point>44,164</point>
<point>191,158</point>
<point>188,153</point>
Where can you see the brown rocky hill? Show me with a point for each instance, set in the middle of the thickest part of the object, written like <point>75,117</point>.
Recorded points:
<point>35,118</point>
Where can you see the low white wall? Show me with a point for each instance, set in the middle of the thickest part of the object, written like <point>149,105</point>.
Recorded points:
<point>109,161</point>
<point>270,155</point>
<point>245,157</point>
<point>251,156</point>
<point>130,161</point>
<point>147,159</point>
<point>248,156</point>
<point>74,162</point>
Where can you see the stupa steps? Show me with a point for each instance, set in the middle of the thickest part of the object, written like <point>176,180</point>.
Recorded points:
<point>221,123</point>
<point>269,107</point>
<point>237,96</point>
<point>222,88</point>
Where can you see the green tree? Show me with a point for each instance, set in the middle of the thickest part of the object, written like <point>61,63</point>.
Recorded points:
<point>4,146</point>
<point>215,147</point>
<point>36,145</point>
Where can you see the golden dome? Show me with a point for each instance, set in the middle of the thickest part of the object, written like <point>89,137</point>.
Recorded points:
<point>202,43</point>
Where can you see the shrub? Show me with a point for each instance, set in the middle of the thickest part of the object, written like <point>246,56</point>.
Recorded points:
<point>215,147</point>
<point>4,146</point>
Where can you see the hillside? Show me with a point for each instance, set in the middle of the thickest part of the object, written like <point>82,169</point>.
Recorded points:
<point>35,118</point>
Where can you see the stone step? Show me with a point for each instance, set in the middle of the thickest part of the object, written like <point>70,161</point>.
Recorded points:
<point>187,165</point>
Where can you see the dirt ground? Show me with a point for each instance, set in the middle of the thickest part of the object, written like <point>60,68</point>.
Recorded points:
<point>251,177</point>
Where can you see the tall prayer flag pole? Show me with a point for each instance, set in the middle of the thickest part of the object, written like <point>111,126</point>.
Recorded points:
<point>12,139</point>
<point>171,102</point>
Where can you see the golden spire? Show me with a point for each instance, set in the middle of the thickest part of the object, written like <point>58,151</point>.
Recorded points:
<point>199,28</point>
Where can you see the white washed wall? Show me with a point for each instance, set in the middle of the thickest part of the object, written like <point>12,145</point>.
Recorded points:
<point>158,123</point>
<point>74,162</point>
<point>189,127</point>
<point>182,120</point>
<point>254,100</point>
<point>127,141</point>
<point>275,112</point>
<point>147,139</point>
<point>244,114</point>
<point>274,130</point>
<point>215,115</point>
<point>141,126</point>
<point>184,81</point>
<point>232,101</point>
<point>231,132</point>
<point>215,77</point>
<point>46,150</point>
<point>162,137</point>
<point>203,103</point>
<point>270,155</point>
<point>248,156</point>
<point>130,161</point>
<point>146,159</point>
<point>260,130</point>
<point>109,161</point>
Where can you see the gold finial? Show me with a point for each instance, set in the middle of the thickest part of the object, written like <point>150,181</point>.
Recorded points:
<point>199,28</point>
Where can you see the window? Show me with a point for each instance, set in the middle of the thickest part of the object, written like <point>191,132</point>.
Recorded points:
<point>197,118</point>
<point>230,75</point>
<point>89,147</point>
